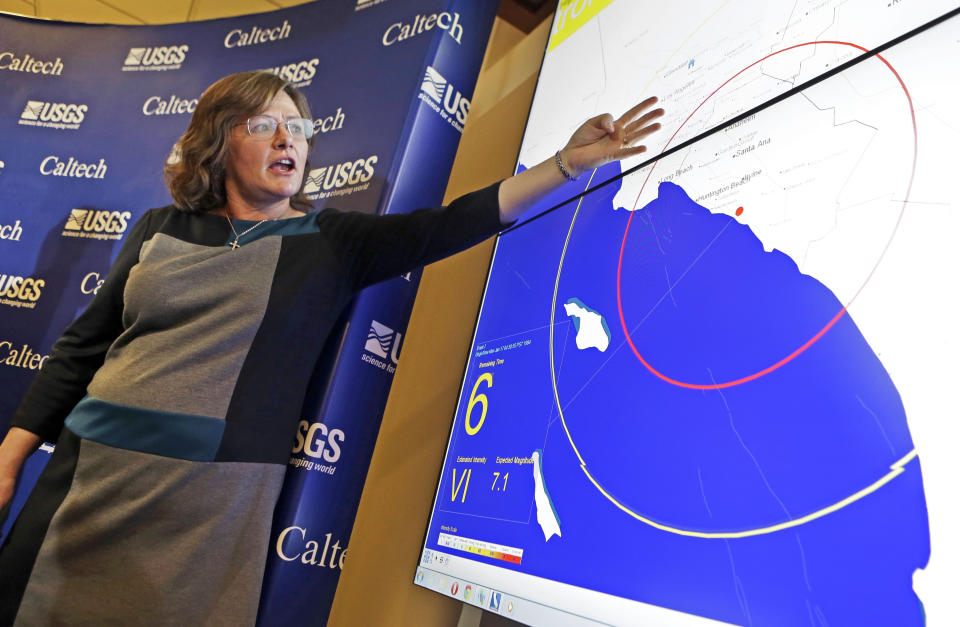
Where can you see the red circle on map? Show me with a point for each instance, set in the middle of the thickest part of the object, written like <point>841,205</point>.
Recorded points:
<point>810,342</point>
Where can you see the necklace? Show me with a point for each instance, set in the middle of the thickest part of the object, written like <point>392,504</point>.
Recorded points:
<point>235,244</point>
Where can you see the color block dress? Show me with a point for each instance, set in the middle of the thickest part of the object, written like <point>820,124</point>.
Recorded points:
<point>180,388</point>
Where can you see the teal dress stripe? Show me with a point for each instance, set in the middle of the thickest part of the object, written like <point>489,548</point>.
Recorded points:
<point>170,434</point>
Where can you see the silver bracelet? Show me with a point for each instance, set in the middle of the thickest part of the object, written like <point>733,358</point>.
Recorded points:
<point>563,170</point>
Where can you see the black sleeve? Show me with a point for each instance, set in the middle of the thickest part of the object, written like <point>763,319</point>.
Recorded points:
<point>386,246</point>
<point>75,357</point>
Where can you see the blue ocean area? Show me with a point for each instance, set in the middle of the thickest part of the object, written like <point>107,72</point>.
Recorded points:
<point>794,498</point>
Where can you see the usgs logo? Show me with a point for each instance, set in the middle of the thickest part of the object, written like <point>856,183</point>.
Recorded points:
<point>449,22</point>
<point>96,224</point>
<point>436,91</point>
<point>366,4</point>
<point>315,440</point>
<point>20,292</point>
<point>383,342</point>
<point>300,73</point>
<point>155,58</point>
<point>293,546</point>
<point>53,114</point>
<point>340,179</point>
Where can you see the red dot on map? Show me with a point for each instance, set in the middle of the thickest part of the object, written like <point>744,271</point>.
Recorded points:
<point>739,210</point>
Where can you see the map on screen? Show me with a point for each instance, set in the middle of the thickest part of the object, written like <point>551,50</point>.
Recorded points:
<point>707,379</point>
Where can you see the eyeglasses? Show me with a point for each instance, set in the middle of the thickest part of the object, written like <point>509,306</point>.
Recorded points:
<point>266,126</point>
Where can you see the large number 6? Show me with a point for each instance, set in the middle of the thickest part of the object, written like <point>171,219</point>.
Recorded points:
<point>478,398</point>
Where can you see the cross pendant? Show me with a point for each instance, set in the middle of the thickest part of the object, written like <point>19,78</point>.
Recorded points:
<point>234,245</point>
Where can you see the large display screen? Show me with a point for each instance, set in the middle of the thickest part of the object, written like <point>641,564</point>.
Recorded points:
<point>703,386</point>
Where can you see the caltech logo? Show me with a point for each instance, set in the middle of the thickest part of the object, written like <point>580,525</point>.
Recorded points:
<point>54,166</point>
<point>256,35</point>
<point>382,342</point>
<point>96,224</point>
<point>319,444</point>
<point>340,179</point>
<point>333,122</point>
<point>91,283</point>
<point>174,105</point>
<point>298,549</point>
<point>300,73</point>
<point>26,63</point>
<point>11,232</point>
<point>22,357</point>
<point>366,4</point>
<point>449,22</point>
<point>20,292</point>
<point>155,58</point>
<point>435,91</point>
<point>52,114</point>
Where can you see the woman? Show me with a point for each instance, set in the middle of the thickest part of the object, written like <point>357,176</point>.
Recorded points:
<point>156,505</point>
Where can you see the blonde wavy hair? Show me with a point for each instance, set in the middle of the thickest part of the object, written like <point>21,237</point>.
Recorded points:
<point>196,171</point>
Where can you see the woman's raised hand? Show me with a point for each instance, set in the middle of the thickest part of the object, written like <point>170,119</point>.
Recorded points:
<point>602,139</point>
<point>598,141</point>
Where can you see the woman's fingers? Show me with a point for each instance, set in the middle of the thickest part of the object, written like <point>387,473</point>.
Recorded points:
<point>605,122</point>
<point>627,117</point>
<point>637,135</point>
<point>644,120</point>
<point>630,151</point>
<point>596,126</point>
<point>617,138</point>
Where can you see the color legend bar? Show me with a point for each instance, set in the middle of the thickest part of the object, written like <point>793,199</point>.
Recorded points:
<point>479,547</point>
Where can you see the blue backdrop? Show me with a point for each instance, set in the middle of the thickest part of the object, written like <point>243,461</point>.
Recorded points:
<point>89,117</point>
